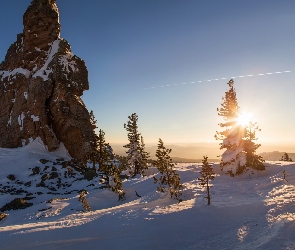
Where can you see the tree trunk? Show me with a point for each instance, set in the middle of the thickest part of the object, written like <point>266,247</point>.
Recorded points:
<point>208,193</point>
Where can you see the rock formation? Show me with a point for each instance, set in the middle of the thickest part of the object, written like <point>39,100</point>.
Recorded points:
<point>41,83</point>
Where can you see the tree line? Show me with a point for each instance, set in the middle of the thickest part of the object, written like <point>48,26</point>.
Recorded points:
<point>237,140</point>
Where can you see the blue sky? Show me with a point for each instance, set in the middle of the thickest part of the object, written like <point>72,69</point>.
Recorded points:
<point>133,47</point>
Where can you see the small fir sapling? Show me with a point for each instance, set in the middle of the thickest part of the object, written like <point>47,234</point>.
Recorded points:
<point>82,199</point>
<point>207,175</point>
<point>169,178</point>
<point>285,175</point>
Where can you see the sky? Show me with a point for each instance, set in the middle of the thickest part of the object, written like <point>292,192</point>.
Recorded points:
<point>160,59</point>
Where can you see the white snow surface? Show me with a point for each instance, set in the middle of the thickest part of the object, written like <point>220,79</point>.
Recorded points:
<point>67,62</point>
<point>252,211</point>
<point>5,73</point>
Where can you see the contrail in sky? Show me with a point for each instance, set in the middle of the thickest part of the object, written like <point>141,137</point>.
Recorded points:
<point>218,79</point>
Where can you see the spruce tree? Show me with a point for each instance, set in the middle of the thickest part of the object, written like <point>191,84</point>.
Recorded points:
<point>169,178</point>
<point>93,145</point>
<point>253,160</point>
<point>105,154</point>
<point>207,175</point>
<point>136,154</point>
<point>92,119</point>
<point>108,170</point>
<point>237,139</point>
<point>234,158</point>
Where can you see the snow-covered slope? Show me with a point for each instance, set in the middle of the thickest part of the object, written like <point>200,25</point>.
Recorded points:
<point>252,211</point>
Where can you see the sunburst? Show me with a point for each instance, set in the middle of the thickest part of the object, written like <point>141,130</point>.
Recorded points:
<point>245,118</point>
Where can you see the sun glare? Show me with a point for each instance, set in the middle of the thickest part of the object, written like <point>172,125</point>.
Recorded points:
<point>245,118</point>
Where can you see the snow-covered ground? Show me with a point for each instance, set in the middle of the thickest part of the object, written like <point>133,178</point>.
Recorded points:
<point>252,211</point>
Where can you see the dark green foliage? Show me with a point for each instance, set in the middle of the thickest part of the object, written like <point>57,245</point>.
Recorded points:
<point>17,203</point>
<point>286,157</point>
<point>137,157</point>
<point>122,162</point>
<point>109,172</point>
<point>90,174</point>
<point>207,175</point>
<point>11,177</point>
<point>44,161</point>
<point>285,175</point>
<point>105,155</point>
<point>35,170</point>
<point>92,152</point>
<point>82,198</point>
<point>169,178</point>
<point>229,110</point>
<point>115,182</point>
<point>101,153</point>
<point>253,160</point>
<point>92,119</point>
<point>237,139</point>
<point>232,134</point>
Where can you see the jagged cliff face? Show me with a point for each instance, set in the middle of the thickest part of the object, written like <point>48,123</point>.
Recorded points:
<point>41,83</point>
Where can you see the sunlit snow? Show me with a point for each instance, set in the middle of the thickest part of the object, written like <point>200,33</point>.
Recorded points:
<point>252,211</point>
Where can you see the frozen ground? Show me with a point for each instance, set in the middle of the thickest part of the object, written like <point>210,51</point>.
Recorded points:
<point>252,211</point>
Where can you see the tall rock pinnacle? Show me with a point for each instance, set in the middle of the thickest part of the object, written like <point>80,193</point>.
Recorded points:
<point>41,83</point>
<point>41,24</point>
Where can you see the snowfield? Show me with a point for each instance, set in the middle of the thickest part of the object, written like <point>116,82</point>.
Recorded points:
<point>252,211</point>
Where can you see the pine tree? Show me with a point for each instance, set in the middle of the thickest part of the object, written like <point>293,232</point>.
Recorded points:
<point>234,158</point>
<point>136,155</point>
<point>93,145</point>
<point>105,155</point>
<point>238,140</point>
<point>92,119</point>
<point>253,160</point>
<point>82,198</point>
<point>168,176</point>
<point>108,170</point>
<point>286,157</point>
<point>144,156</point>
<point>207,175</point>
<point>121,162</point>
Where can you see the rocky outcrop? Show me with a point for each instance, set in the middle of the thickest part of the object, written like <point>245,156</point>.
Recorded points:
<point>41,84</point>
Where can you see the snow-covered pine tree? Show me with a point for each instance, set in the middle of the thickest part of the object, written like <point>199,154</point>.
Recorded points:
<point>207,174</point>
<point>253,160</point>
<point>234,158</point>
<point>168,175</point>
<point>136,154</point>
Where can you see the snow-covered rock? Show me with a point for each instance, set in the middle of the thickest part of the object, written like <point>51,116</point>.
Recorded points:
<point>41,82</point>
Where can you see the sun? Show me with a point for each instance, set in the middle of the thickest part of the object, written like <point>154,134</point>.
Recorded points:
<point>245,118</point>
